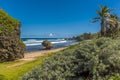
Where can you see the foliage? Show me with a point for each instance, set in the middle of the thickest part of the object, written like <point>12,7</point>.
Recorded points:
<point>11,47</point>
<point>112,26</point>
<point>114,77</point>
<point>7,23</point>
<point>109,22</point>
<point>86,36</point>
<point>47,44</point>
<point>9,72</point>
<point>98,59</point>
<point>103,14</point>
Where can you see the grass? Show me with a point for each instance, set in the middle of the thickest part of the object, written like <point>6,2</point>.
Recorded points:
<point>14,73</point>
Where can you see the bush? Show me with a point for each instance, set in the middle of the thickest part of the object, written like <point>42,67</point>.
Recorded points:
<point>87,36</point>
<point>11,47</point>
<point>47,44</point>
<point>98,59</point>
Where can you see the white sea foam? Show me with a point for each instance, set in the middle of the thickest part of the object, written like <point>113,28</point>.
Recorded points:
<point>58,42</point>
<point>33,42</point>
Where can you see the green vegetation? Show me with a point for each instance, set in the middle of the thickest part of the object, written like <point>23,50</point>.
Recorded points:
<point>10,72</point>
<point>98,59</point>
<point>7,23</point>
<point>109,22</point>
<point>11,47</point>
<point>113,26</point>
<point>47,44</point>
<point>86,36</point>
<point>94,59</point>
<point>102,16</point>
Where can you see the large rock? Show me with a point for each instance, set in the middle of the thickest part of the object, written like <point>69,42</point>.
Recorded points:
<point>11,46</point>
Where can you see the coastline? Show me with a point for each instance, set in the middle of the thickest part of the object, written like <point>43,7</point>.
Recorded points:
<point>35,44</point>
<point>32,56</point>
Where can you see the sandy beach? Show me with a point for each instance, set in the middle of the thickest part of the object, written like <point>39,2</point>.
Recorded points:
<point>34,55</point>
<point>31,56</point>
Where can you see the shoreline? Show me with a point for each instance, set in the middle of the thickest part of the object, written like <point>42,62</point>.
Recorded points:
<point>43,49</point>
<point>40,53</point>
<point>32,56</point>
<point>35,45</point>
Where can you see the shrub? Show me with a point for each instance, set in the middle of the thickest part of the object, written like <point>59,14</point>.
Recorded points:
<point>98,59</point>
<point>11,47</point>
<point>47,44</point>
<point>87,36</point>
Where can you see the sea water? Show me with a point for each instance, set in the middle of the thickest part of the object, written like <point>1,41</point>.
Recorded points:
<point>35,44</point>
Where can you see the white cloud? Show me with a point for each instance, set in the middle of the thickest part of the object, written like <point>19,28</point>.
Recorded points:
<point>51,35</point>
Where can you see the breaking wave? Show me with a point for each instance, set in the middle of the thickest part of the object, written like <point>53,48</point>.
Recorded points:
<point>33,42</point>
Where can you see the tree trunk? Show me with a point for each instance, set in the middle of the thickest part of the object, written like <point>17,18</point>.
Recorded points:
<point>102,28</point>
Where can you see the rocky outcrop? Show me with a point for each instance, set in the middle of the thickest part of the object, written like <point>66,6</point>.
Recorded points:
<point>11,46</point>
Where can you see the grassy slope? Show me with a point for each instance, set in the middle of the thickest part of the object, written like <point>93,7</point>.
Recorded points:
<point>14,73</point>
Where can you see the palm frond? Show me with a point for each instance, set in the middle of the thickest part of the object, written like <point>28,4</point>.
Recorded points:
<point>96,19</point>
<point>99,13</point>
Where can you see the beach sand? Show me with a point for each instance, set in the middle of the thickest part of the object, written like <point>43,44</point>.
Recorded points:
<point>34,55</point>
<point>31,56</point>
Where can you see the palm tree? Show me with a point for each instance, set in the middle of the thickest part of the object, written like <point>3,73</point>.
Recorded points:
<point>112,26</point>
<point>102,16</point>
<point>113,20</point>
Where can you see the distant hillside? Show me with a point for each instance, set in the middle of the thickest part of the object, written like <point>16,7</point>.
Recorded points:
<point>85,36</point>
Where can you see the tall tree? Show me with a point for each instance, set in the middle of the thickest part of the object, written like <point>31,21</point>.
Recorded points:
<point>102,16</point>
<point>112,26</point>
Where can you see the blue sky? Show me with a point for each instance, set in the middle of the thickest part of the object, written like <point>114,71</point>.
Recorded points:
<point>56,18</point>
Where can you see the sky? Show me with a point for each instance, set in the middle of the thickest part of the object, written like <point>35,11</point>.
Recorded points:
<point>56,18</point>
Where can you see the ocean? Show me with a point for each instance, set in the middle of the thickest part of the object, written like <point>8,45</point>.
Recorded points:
<point>35,44</point>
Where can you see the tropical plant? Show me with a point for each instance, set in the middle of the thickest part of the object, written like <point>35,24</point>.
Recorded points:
<point>103,14</point>
<point>112,26</point>
<point>47,44</point>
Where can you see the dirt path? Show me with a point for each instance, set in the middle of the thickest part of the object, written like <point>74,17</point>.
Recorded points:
<point>33,56</point>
